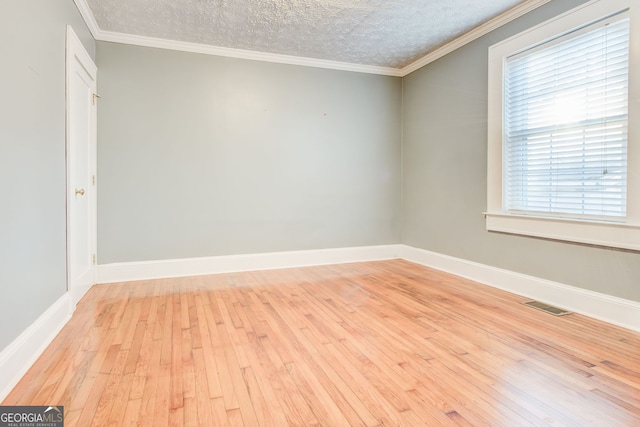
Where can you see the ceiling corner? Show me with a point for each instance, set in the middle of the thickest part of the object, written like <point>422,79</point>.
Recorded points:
<point>474,34</point>
<point>88,17</point>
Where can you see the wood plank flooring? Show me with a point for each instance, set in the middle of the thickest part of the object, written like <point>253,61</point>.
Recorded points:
<point>384,343</point>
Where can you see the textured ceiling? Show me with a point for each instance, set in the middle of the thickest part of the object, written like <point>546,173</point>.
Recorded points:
<point>383,33</point>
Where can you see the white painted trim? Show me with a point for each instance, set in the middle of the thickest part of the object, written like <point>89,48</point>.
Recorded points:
<point>130,271</point>
<point>476,33</point>
<point>466,38</point>
<point>87,15</point>
<point>110,36</point>
<point>614,310</point>
<point>617,311</point>
<point>17,357</point>
<point>609,234</point>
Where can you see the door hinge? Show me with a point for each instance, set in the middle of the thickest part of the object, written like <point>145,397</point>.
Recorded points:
<point>93,179</point>
<point>93,259</point>
<point>94,97</point>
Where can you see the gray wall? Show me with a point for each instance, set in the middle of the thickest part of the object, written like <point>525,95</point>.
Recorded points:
<point>32,158</point>
<point>445,176</point>
<point>201,156</point>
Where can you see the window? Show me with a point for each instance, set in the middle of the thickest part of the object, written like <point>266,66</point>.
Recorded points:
<point>565,124</point>
<point>564,139</point>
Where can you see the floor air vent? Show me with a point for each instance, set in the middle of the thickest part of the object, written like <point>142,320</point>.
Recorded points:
<point>547,308</point>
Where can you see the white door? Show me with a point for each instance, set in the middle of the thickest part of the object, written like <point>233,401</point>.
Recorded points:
<point>81,168</point>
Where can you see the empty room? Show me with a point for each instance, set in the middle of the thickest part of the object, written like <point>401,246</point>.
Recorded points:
<point>320,212</point>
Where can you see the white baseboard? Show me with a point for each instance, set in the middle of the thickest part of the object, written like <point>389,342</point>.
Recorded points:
<point>617,311</point>
<point>17,357</point>
<point>130,271</point>
<point>614,310</point>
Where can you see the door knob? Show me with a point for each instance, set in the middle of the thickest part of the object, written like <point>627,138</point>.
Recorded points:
<point>80,191</point>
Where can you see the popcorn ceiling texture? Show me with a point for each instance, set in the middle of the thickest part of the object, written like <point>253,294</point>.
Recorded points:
<point>369,32</point>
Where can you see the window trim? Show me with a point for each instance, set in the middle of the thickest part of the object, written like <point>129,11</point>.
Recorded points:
<point>620,234</point>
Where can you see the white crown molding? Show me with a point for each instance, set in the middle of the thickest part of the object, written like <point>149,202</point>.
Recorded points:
<point>87,15</point>
<point>474,34</point>
<point>110,36</point>
<point>130,271</point>
<point>468,37</point>
<point>610,309</point>
<point>17,357</point>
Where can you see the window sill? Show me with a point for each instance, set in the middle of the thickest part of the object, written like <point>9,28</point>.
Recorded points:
<point>615,235</point>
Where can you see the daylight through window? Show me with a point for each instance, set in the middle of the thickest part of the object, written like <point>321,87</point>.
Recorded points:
<point>564,128</point>
<point>565,124</point>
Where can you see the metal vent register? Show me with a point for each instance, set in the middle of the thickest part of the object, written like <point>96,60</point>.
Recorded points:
<point>547,308</point>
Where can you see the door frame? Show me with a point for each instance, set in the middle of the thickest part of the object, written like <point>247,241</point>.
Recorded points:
<point>75,52</point>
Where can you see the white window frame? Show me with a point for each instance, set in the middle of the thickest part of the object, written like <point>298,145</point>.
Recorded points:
<point>624,234</point>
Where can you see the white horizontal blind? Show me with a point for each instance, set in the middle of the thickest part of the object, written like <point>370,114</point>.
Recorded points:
<point>565,124</point>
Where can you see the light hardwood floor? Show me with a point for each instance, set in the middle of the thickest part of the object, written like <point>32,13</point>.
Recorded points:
<point>378,344</point>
